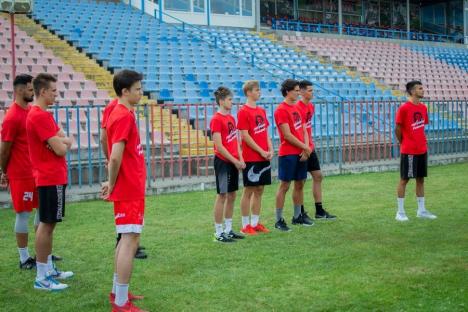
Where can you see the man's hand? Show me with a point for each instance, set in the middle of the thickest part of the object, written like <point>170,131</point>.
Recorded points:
<point>3,180</point>
<point>304,156</point>
<point>270,155</point>
<point>106,190</point>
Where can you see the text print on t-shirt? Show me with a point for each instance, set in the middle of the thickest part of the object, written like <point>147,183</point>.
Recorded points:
<point>260,122</point>
<point>232,132</point>
<point>418,121</point>
<point>309,120</point>
<point>297,120</point>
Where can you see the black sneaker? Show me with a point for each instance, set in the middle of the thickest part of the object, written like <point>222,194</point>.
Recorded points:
<point>56,258</point>
<point>142,247</point>
<point>282,226</point>
<point>235,235</point>
<point>140,254</point>
<point>297,221</point>
<point>223,238</point>
<point>324,215</point>
<point>306,220</point>
<point>29,264</point>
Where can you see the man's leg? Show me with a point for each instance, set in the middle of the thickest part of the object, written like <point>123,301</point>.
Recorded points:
<point>256,204</point>
<point>245,210</point>
<point>401,189</point>
<point>21,230</point>
<point>280,199</point>
<point>124,265</point>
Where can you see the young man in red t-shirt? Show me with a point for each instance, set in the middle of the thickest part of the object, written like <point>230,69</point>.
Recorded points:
<point>227,163</point>
<point>307,110</point>
<point>257,151</point>
<point>16,166</point>
<point>47,149</point>
<point>293,154</point>
<point>126,185</point>
<point>140,254</point>
<point>411,118</point>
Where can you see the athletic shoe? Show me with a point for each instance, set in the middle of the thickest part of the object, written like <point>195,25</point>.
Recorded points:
<point>282,226</point>
<point>248,230</point>
<point>223,238</point>
<point>306,220</point>
<point>261,228</point>
<point>324,216</point>
<point>142,247</point>
<point>56,258</point>
<point>401,216</point>
<point>61,275</point>
<point>235,235</point>
<point>140,254</point>
<point>131,297</point>
<point>127,307</point>
<point>29,264</point>
<point>49,284</point>
<point>426,215</point>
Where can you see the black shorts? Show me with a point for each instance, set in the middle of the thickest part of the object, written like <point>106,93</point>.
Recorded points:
<point>227,176</point>
<point>51,203</point>
<point>257,173</point>
<point>313,163</point>
<point>413,166</point>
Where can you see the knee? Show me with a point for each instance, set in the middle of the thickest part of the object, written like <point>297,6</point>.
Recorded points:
<point>284,187</point>
<point>420,181</point>
<point>231,196</point>
<point>222,198</point>
<point>317,177</point>
<point>258,191</point>
<point>403,182</point>
<point>21,222</point>
<point>299,185</point>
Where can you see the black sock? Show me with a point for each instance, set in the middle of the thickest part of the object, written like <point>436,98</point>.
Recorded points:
<point>318,208</point>
<point>302,209</point>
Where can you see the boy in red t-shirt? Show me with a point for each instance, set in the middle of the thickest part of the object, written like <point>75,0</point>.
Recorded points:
<point>257,151</point>
<point>307,110</point>
<point>227,163</point>
<point>16,166</point>
<point>411,118</point>
<point>47,149</point>
<point>126,185</point>
<point>293,154</point>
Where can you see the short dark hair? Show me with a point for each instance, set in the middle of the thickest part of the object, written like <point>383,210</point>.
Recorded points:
<point>303,84</point>
<point>288,85</point>
<point>42,81</point>
<point>221,94</point>
<point>125,79</point>
<point>410,85</point>
<point>22,80</point>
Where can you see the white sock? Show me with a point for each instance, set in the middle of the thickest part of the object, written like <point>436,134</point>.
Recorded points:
<point>218,229</point>
<point>50,264</point>
<point>24,254</point>
<point>421,205</point>
<point>401,205</point>
<point>114,283</point>
<point>254,221</point>
<point>121,294</point>
<point>42,269</point>
<point>245,221</point>
<point>228,225</point>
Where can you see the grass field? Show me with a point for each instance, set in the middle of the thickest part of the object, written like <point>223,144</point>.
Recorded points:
<point>365,261</point>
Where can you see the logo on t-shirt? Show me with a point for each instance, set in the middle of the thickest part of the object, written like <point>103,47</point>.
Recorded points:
<point>28,196</point>
<point>297,120</point>
<point>232,132</point>
<point>260,124</point>
<point>418,121</point>
<point>309,120</point>
<point>139,149</point>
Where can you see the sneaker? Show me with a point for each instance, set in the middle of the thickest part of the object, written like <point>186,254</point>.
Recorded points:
<point>61,275</point>
<point>235,235</point>
<point>324,216</point>
<point>282,226</point>
<point>261,228</point>
<point>306,220</point>
<point>140,254</point>
<point>401,216</point>
<point>248,230</point>
<point>297,221</point>
<point>127,307</point>
<point>49,284</point>
<point>426,215</point>
<point>223,238</point>
<point>29,264</point>
<point>56,258</point>
<point>131,297</point>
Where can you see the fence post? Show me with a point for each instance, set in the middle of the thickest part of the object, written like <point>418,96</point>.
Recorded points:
<point>340,138</point>
<point>148,146</point>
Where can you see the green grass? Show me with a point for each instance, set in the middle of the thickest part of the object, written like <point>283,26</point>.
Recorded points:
<point>365,261</point>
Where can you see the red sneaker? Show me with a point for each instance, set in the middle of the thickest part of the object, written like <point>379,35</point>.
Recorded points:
<point>131,297</point>
<point>249,230</point>
<point>127,307</point>
<point>261,228</point>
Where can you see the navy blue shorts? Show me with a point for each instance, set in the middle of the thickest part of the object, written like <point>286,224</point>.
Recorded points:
<point>291,169</point>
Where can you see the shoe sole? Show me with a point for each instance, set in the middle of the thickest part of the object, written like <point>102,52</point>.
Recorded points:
<point>325,219</point>
<point>63,278</point>
<point>289,230</point>
<point>402,220</point>
<point>48,289</point>
<point>429,218</point>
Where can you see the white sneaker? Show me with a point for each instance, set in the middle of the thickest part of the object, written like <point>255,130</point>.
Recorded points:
<point>401,216</point>
<point>49,284</point>
<point>426,215</point>
<point>61,275</point>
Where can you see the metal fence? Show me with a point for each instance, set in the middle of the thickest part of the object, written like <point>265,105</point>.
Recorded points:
<point>177,140</point>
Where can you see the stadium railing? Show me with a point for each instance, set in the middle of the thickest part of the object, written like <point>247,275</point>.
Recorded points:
<point>345,133</point>
<point>279,24</point>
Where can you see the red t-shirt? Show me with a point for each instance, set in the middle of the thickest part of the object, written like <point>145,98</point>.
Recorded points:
<point>307,112</point>
<point>226,126</point>
<point>14,131</point>
<point>255,121</point>
<point>48,167</point>
<point>412,118</point>
<point>130,183</point>
<point>289,114</point>
<point>107,111</point>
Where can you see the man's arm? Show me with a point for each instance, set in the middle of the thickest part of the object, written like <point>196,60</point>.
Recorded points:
<point>398,132</point>
<point>115,160</point>
<point>252,144</point>
<point>5,150</point>
<point>104,146</point>
<point>59,145</point>
<point>288,136</point>
<point>220,147</point>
